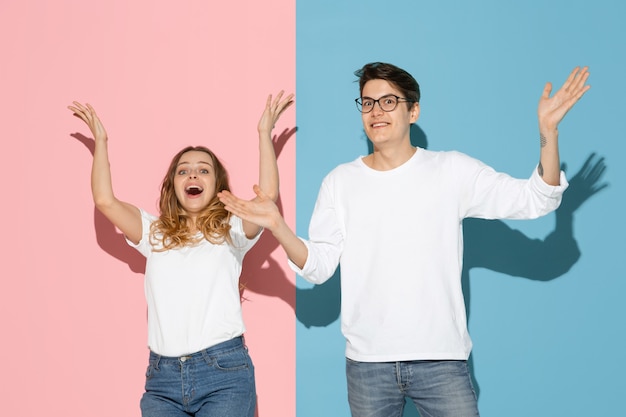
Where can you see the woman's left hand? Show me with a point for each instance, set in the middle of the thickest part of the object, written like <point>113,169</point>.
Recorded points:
<point>273,110</point>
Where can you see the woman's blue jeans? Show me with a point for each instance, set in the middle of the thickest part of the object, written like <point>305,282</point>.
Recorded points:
<point>215,382</point>
<point>437,388</point>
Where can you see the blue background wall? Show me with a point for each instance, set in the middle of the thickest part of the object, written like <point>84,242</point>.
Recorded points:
<point>546,302</point>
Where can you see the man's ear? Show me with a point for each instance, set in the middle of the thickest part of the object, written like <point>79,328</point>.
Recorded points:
<point>415,112</point>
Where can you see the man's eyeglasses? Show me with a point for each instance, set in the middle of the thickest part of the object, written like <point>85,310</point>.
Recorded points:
<point>386,103</point>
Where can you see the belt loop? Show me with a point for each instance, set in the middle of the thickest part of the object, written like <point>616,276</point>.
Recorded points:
<point>156,360</point>
<point>205,356</point>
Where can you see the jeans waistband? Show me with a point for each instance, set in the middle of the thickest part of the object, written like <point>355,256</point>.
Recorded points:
<point>234,343</point>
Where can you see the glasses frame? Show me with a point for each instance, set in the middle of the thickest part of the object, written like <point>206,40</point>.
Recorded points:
<point>359,103</point>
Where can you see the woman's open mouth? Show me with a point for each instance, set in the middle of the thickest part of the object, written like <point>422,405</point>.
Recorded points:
<point>193,190</point>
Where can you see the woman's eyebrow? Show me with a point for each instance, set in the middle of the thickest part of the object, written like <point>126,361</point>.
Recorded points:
<point>189,163</point>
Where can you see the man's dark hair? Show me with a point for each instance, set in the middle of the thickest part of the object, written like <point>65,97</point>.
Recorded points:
<point>398,77</point>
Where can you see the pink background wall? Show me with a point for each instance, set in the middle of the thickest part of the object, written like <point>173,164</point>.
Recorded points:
<point>72,309</point>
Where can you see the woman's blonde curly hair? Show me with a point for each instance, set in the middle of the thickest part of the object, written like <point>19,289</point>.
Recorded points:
<point>172,229</point>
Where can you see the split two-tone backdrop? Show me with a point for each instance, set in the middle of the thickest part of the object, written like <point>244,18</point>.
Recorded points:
<point>545,297</point>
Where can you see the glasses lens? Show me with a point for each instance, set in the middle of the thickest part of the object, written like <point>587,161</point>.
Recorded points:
<point>367,104</point>
<point>388,103</point>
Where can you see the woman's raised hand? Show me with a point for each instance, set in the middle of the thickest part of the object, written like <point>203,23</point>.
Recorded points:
<point>274,107</point>
<point>88,115</point>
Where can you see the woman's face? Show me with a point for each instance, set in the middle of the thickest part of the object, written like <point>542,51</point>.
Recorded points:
<point>194,181</point>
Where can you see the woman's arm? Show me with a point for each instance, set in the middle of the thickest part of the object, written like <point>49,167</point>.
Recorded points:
<point>268,167</point>
<point>124,216</point>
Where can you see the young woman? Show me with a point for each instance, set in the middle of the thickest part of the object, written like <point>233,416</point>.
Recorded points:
<point>198,363</point>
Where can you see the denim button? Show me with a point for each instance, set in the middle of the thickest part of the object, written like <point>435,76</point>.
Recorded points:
<point>184,358</point>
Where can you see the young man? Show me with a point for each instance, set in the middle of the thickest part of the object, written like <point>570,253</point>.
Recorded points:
<point>392,219</point>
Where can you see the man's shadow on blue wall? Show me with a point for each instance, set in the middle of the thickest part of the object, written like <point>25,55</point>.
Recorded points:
<point>489,244</point>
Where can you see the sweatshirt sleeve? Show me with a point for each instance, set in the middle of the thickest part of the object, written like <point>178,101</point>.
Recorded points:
<point>489,194</point>
<point>326,237</point>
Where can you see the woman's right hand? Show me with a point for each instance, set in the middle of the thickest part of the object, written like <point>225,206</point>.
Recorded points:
<point>88,115</point>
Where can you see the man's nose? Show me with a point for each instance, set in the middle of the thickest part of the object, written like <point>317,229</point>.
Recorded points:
<point>379,109</point>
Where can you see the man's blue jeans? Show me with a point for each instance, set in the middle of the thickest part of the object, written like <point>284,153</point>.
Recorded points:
<point>438,388</point>
<point>215,382</point>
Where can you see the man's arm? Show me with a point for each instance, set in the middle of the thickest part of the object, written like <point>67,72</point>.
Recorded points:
<point>550,112</point>
<point>262,211</point>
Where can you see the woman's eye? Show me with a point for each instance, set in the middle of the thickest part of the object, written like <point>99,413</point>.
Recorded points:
<point>182,172</point>
<point>204,171</point>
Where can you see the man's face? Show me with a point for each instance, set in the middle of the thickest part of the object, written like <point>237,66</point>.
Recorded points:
<point>386,128</point>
